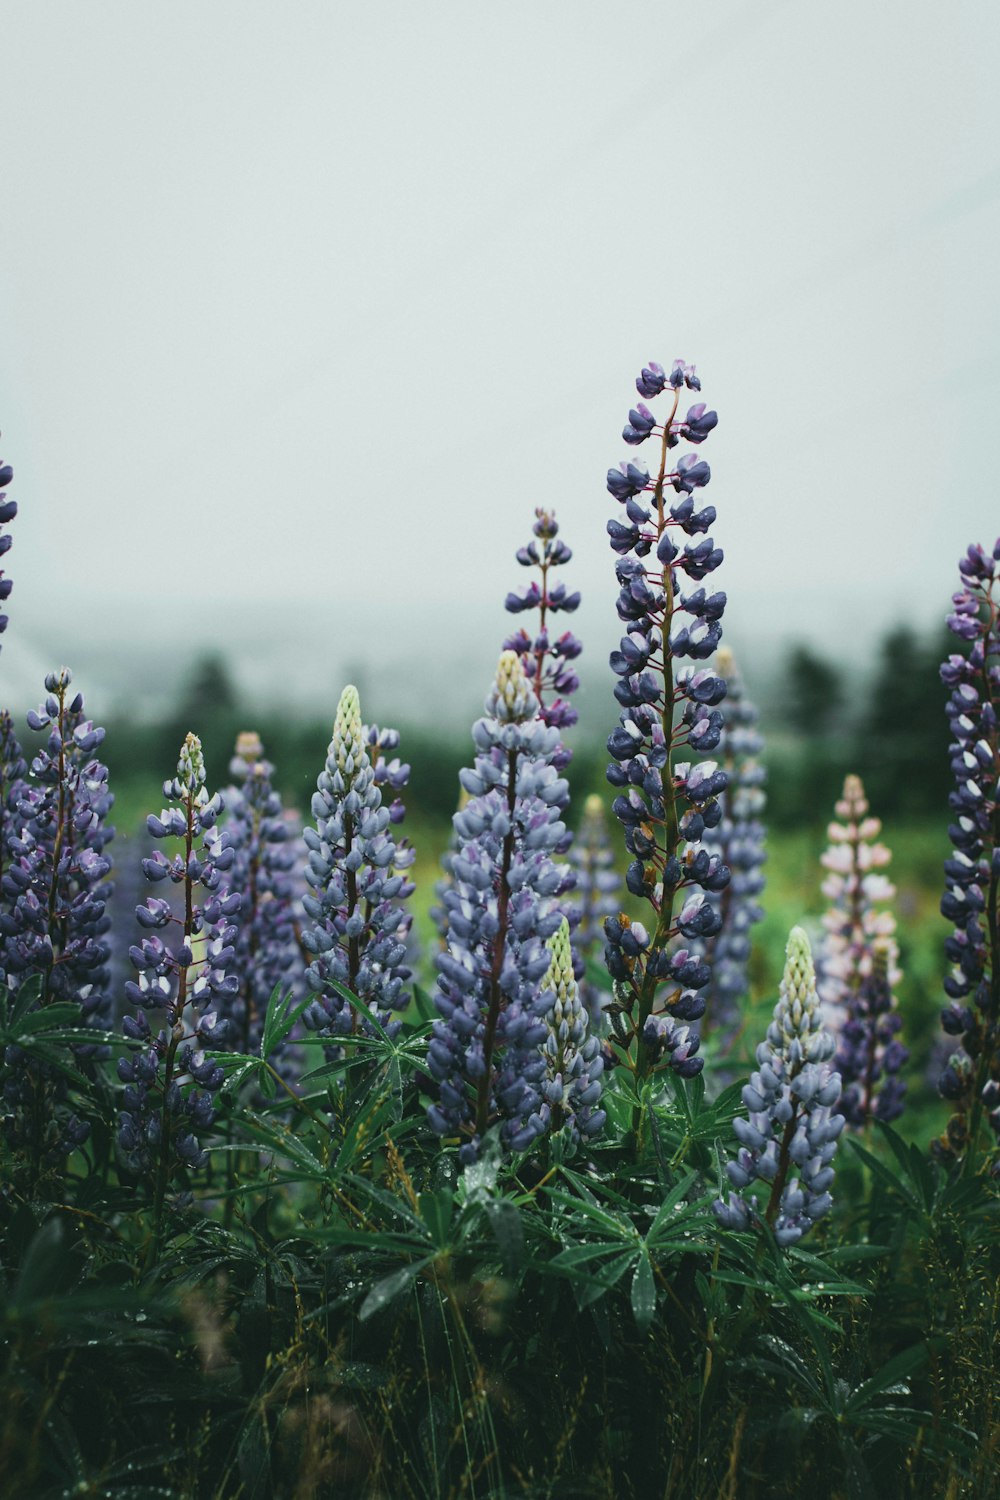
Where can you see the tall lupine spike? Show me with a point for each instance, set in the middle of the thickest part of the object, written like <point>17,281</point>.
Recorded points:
<point>501,907</point>
<point>169,1080</point>
<point>355,872</point>
<point>8,510</point>
<point>665,807</point>
<point>857,920</point>
<point>13,770</point>
<point>267,954</point>
<point>790,1098</point>
<point>54,922</point>
<point>574,1061</point>
<point>870,1056</point>
<point>972,896</point>
<point>547,660</point>
<point>595,895</point>
<point>738,839</point>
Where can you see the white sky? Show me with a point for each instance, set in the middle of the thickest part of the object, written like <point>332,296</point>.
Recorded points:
<point>306,306</point>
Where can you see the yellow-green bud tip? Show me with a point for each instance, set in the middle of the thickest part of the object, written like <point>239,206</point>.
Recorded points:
<point>347,745</point>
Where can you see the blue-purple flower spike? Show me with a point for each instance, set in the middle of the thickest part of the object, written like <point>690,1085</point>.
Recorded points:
<point>789,1139</point>
<point>53,921</point>
<point>738,839</point>
<point>547,658</point>
<point>358,885</point>
<point>12,773</point>
<point>267,954</point>
<point>183,980</point>
<point>665,806</point>
<point>971,1080</point>
<point>574,1061</point>
<point>8,510</point>
<point>485,1054</point>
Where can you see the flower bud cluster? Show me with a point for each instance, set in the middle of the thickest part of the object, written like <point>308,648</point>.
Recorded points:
<point>856,921</point>
<point>54,921</point>
<point>12,774</point>
<point>870,1056</point>
<point>486,1054</point>
<point>791,1127</point>
<point>357,880</point>
<point>738,839</point>
<point>8,510</point>
<point>971,900</point>
<point>574,1061</point>
<point>267,954</point>
<point>665,807</point>
<point>186,982</point>
<point>596,891</point>
<point>547,659</point>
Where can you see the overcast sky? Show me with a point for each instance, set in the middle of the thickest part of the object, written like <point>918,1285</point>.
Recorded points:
<point>307,306</point>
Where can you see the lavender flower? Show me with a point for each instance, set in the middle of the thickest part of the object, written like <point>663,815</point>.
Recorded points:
<point>8,510</point>
<point>267,954</point>
<point>597,886</point>
<point>485,1053</point>
<point>738,839</point>
<point>790,1128</point>
<point>54,922</point>
<point>665,807</point>
<point>971,900</point>
<point>170,1079</point>
<point>355,872</point>
<point>856,921</point>
<point>12,773</point>
<point>869,1053</point>
<point>574,1062</point>
<point>547,660</point>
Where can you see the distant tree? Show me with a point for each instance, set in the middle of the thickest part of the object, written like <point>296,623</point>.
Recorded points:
<point>814,693</point>
<point>208,693</point>
<point>903,740</point>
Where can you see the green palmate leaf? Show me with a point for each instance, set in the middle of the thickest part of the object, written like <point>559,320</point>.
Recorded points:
<point>26,996</point>
<point>281,1016</point>
<point>436,1210</point>
<point>643,1292</point>
<point>424,1004</point>
<point>390,1287</point>
<point>891,1380</point>
<point>48,1018</point>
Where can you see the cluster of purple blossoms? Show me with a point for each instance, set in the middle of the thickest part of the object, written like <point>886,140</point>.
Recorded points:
<point>859,967</point>
<point>169,1077</point>
<point>597,886</point>
<point>574,1061</point>
<point>8,510</point>
<point>357,880</point>
<point>267,953</point>
<point>13,770</point>
<point>485,1054</point>
<point>971,900</point>
<point>547,660</point>
<point>790,1099</point>
<point>738,839</point>
<point>665,807</point>
<point>53,916</point>
<point>856,920</point>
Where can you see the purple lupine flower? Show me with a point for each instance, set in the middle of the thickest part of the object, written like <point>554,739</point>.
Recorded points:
<point>183,980</point>
<point>665,807</point>
<point>267,955</point>
<point>574,1062</point>
<point>971,901</point>
<point>485,1053</point>
<point>870,1056</point>
<point>358,885</point>
<point>595,895</point>
<point>857,919</point>
<point>790,1136</point>
<point>547,657</point>
<point>738,839</point>
<point>8,510</point>
<point>54,921</point>
<point>12,773</point>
